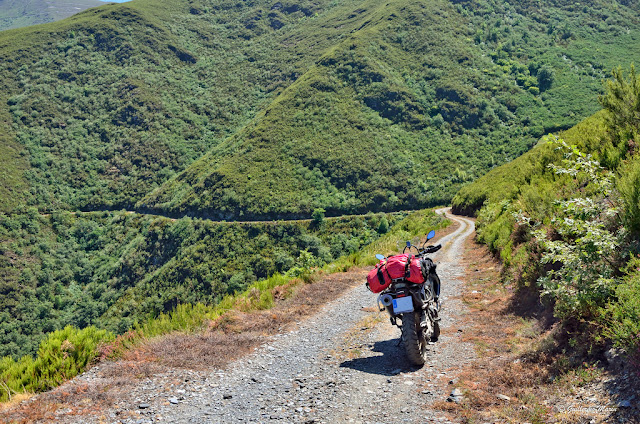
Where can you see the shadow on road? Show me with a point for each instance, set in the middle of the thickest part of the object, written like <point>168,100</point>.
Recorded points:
<point>391,362</point>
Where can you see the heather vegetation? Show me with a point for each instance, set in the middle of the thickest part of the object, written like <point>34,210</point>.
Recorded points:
<point>566,223</point>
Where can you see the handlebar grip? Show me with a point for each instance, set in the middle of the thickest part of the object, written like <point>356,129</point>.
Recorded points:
<point>432,249</point>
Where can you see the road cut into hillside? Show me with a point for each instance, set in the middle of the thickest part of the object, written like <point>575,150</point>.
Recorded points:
<point>343,364</point>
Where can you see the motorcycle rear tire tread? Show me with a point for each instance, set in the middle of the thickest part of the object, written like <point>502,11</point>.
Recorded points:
<point>416,351</point>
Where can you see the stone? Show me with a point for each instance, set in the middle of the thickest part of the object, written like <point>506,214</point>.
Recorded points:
<point>455,399</point>
<point>173,400</point>
<point>144,406</point>
<point>227,396</point>
<point>614,359</point>
<point>503,397</point>
<point>456,392</point>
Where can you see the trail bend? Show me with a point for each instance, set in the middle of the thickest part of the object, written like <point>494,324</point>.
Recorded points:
<point>343,364</point>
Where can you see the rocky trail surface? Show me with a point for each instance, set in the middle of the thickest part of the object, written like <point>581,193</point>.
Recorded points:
<point>343,364</point>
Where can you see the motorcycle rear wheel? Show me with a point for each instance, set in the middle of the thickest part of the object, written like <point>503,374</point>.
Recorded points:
<point>413,338</point>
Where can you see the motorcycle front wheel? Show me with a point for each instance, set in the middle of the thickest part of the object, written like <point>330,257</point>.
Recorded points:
<point>413,338</point>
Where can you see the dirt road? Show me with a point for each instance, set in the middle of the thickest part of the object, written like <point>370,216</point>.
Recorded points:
<point>343,364</point>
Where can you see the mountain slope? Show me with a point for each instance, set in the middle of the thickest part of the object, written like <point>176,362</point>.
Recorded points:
<point>20,13</point>
<point>395,104</point>
<point>397,115</point>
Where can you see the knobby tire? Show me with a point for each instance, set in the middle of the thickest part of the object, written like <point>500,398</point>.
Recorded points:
<point>412,338</point>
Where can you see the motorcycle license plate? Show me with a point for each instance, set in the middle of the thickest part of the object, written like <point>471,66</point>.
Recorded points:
<point>402,305</point>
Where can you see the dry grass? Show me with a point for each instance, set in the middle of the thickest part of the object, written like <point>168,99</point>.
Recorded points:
<point>236,333</point>
<point>15,401</point>
<point>231,336</point>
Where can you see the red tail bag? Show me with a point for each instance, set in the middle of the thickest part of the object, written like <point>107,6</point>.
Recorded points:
<point>404,266</point>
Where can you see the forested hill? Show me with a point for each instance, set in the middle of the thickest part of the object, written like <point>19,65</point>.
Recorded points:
<point>21,13</point>
<point>269,109</point>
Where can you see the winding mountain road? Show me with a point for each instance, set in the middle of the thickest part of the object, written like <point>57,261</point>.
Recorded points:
<point>343,364</point>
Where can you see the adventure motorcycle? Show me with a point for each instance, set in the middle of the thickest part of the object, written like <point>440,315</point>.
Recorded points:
<point>409,290</point>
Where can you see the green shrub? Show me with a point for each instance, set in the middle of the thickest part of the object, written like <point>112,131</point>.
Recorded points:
<point>582,243</point>
<point>623,312</point>
<point>628,185</point>
<point>61,356</point>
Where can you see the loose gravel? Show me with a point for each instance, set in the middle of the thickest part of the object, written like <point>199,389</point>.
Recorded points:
<point>343,364</point>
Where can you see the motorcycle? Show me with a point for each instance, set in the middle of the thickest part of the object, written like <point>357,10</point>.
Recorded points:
<point>412,305</point>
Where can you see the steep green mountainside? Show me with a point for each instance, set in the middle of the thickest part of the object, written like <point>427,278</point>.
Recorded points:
<point>402,111</point>
<point>123,97</point>
<point>21,13</point>
<point>349,106</point>
<point>565,220</point>
<point>507,181</point>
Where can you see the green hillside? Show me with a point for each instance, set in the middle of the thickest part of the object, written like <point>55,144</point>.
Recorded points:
<point>260,110</point>
<point>349,106</point>
<point>404,110</point>
<point>21,13</point>
<point>565,220</point>
<point>114,270</point>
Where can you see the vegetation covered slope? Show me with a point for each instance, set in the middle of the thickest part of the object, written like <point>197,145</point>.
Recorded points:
<point>21,13</point>
<point>400,112</point>
<point>349,106</point>
<point>564,219</point>
<point>260,109</point>
<point>114,270</point>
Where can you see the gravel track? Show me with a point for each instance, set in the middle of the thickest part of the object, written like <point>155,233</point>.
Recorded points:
<point>343,364</point>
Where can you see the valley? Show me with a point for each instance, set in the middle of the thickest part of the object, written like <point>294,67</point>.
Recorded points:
<point>162,162</point>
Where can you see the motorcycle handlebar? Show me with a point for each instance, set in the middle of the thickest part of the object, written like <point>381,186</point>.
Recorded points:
<point>428,249</point>
<point>432,249</point>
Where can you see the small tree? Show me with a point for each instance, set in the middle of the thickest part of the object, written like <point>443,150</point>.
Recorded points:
<point>317,217</point>
<point>622,103</point>
<point>545,78</point>
<point>583,241</point>
<point>383,227</point>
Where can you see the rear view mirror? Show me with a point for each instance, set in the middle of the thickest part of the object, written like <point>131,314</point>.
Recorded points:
<point>408,244</point>
<point>431,234</point>
<point>379,257</point>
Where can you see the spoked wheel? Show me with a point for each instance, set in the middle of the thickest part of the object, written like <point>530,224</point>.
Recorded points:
<point>413,338</point>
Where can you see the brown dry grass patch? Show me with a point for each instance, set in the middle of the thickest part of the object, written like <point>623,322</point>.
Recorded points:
<point>237,333</point>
